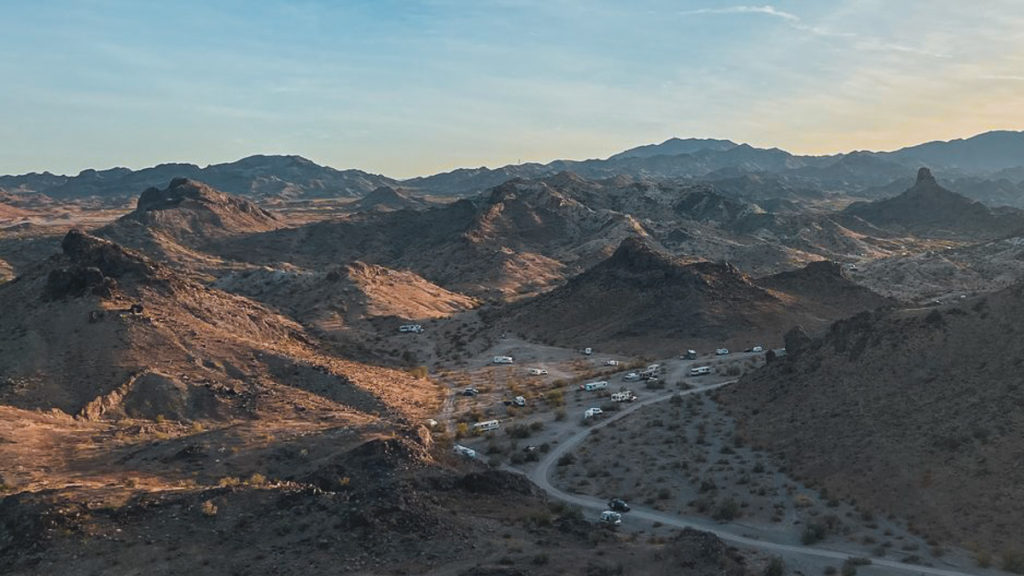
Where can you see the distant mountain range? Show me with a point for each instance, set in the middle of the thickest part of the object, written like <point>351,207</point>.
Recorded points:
<point>990,164</point>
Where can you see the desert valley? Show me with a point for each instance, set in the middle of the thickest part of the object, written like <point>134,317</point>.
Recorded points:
<point>696,357</point>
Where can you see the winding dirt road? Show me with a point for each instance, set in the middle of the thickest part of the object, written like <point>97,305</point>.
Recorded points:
<point>728,532</point>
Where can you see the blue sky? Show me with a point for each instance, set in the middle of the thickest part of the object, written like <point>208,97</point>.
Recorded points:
<point>416,87</point>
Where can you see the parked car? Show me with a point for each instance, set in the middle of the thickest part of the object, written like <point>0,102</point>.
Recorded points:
<point>538,372</point>
<point>631,377</point>
<point>470,392</point>
<point>519,401</point>
<point>611,518</point>
<point>618,505</point>
<point>757,349</point>
<point>592,413</point>
<point>588,351</point>
<point>611,362</point>
<point>722,352</point>
<point>464,451</point>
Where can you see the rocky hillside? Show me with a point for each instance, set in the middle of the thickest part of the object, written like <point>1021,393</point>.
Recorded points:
<point>917,413</point>
<point>385,199</point>
<point>347,294</point>
<point>179,223</point>
<point>102,331</point>
<point>642,301</point>
<point>519,238</point>
<point>929,210</point>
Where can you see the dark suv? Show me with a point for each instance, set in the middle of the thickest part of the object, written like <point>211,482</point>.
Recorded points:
<point>618,505</point>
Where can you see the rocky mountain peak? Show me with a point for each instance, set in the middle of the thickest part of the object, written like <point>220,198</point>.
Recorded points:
<point>924,176</point>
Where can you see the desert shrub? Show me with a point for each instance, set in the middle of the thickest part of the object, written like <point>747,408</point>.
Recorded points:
<point>1013,561</point>
<point>536,425</point>
<point>983,558</point>
<point>541,559</point>
<point>727,510</point>
<point>566,459</point>
<point>519,431</point>
<point>813,533</point>
<point>560,414</point>
<point>776,567</point>
<point>857,561</point>
<point>256,479</point>
<point>209,509</point>
<point>555,398</point>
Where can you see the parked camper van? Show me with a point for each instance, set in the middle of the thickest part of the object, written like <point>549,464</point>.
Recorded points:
<point>486,426</point>
<point>464,451</point>
<point>519,401</point>
<point>592,413</point>
<point>690,355</point>
<point>591,386</point>
<point>503,360</point>
<point>588,351</point>
<point>414,328</point>
<point>700,371</point>
<point>538,372</point>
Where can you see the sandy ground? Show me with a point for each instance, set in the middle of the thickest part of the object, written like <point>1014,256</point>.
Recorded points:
<point>678,456</point>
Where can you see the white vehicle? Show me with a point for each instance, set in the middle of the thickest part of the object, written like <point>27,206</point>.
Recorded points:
<point>757,349</point>
<point>592,413</point>
<point>690,355</point>
<point>631,376</point>
<point>722,352</point>
<point>624,396</point>
<point>538,372</point>
<point>503,360</point>
<point>611,362</point>
<point>700,371</point>
<point>414,328</point>
<point>650,372</point>
<point>464,451</point>
<point>611,518</point>
<point>486,425</point>
<point>519,401</point>
<point>588,351</point>
<point>591,386</point>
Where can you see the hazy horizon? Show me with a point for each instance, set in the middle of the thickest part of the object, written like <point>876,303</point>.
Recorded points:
<point>410,89</point>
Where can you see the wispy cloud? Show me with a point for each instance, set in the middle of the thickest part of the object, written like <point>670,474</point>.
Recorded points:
<point>860,41</point>
<point>767,9</point>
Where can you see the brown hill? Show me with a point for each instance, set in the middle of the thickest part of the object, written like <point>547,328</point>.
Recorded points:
<point>385,199</point>
<point>912,412</point>
<point>520,238</point>
<point>641,300</point>
<point>344,295</point>
<point>72,341</point>
<point>178,224</point>
<point>822,288</point>
<point>931,211</point>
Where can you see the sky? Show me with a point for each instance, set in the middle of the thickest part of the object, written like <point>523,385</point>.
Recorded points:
<point>415,87</point>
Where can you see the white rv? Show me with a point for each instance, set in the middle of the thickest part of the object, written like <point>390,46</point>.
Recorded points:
<point>414,328</point>
<point>503,360</point>
<point>624,396</point>
<point>700,371</point>
<point>591,386</point>
<point>486,426</point>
